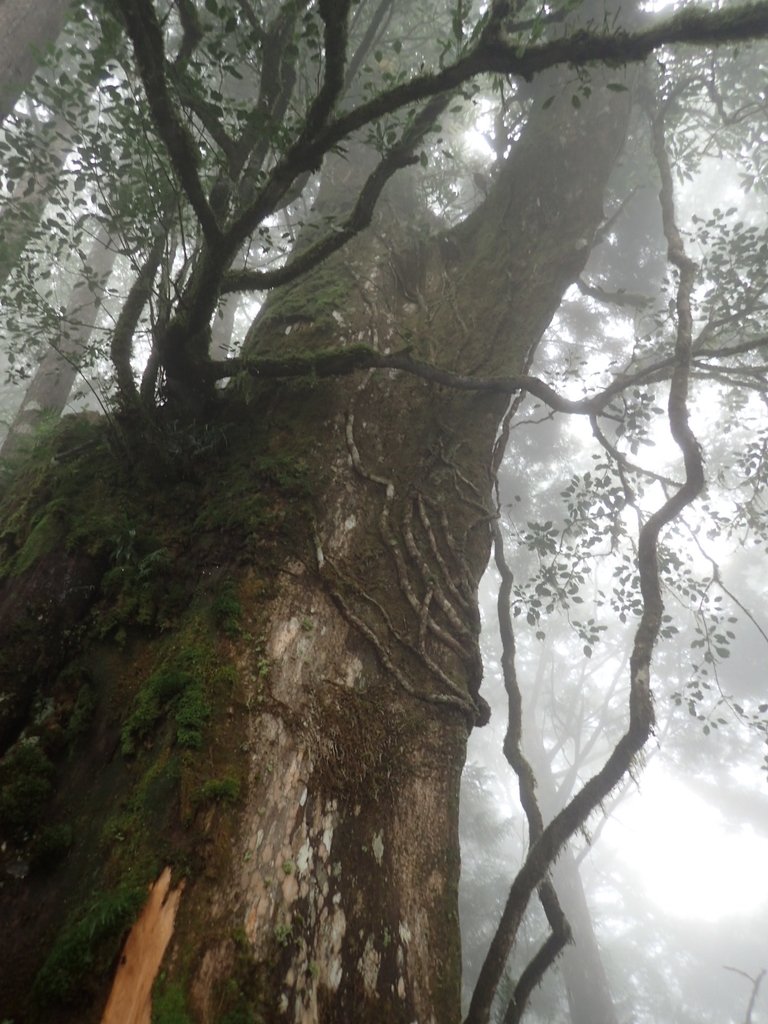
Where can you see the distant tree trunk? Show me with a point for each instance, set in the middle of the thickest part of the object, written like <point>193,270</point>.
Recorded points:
<point>51,385</point>
<point>223,326</point>
<point>344,684</point>
<point>586,982</point>
<point>23,209</point>
<point>26,30</point>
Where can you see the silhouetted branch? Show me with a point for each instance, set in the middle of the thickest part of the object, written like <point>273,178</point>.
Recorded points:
<point>756,982</point>
<point>122,337</point>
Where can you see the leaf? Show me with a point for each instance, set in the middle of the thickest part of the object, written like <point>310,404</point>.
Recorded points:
<point>575,101</point>
<point>617,87</point>
<point>548,103</point>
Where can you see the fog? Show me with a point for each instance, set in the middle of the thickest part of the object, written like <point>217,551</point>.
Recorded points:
<point>674,866</point>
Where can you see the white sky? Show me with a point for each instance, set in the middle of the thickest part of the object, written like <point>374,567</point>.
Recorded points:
<point>687,860</point>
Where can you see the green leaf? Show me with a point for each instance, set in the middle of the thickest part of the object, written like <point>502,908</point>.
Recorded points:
<point>575,101</point>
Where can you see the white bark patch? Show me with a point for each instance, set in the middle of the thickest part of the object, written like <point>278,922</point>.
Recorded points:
<point>368,965</point>
<point>377,845</point>
<point>282,637</point>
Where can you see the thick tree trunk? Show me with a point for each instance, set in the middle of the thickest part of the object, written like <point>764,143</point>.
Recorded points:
<point>315,816</point>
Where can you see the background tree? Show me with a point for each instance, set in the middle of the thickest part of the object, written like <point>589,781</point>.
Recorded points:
<point>239,626</point>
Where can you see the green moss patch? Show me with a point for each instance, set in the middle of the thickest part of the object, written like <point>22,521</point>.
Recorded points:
<point>87,945</point>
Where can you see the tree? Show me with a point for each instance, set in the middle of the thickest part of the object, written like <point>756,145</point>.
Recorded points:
<point>49,389</point>
<point>25,35</point>
<point>239,626</point>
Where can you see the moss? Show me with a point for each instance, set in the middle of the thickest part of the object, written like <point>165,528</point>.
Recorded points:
<point>167,590</point>
<point>192,713</point>
<point>225,790</point>
<point>86,947</point>
<point>82,714</point>
<point>172,690</point>
<point>169,1004</point>
<point>310,301</point>
<point>45,536</point>
<point>50,847</point>
<point>26,783</point>
<point>227,610</point>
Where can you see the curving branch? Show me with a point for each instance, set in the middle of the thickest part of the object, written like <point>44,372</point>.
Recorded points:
<point>641,716</point>
<point>560,934</point>
<point>121,348</point>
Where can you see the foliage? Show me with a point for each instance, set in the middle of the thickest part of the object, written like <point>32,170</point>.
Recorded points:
<point>26,782</point>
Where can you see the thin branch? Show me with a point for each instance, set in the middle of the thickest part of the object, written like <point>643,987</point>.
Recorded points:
<point>384,10</point>
<point>756,982</point>
<point>340,362</point>
<point>617,298</point>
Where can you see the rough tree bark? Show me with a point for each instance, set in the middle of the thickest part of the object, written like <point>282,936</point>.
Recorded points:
<point>329,893</point>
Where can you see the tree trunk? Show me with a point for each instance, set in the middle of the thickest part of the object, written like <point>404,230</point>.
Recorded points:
<point>292,743</point>
<point>25,33</point>
<point>586,983</point>
<point>31,192</point>
<point>50,387</point>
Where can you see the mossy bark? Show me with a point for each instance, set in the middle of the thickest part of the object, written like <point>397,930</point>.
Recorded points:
<point>280,643</point>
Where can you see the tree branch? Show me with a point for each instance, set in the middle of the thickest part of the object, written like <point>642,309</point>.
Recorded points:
<point>147,38</point>
<point>400,155</point>
<point>492,54</point>
<point>560,929</point>
<point>122,336</point>
<point>334,14</point>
